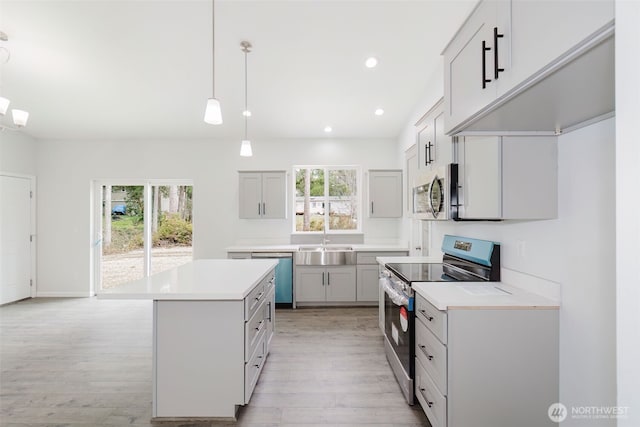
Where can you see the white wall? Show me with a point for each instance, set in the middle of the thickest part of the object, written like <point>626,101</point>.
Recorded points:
<point>628,208</point>
<point>69,167</point>
<point>17,153</point>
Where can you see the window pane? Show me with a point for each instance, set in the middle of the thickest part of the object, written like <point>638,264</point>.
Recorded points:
<point>310,199</point>
<point>343,199</point>
<point>171,226</point>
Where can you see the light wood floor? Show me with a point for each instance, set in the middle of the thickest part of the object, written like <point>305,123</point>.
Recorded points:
<point>87,362</point>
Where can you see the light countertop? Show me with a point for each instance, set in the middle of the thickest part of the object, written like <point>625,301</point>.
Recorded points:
<point>205,279</point>
<point>409,259</point>
<point>480,295</point>
<point>359,247</point>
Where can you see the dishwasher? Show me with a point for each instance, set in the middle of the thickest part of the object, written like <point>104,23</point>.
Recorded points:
<point>284,276</point>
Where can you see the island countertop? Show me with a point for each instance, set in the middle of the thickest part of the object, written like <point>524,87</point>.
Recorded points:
<point>204,279</point>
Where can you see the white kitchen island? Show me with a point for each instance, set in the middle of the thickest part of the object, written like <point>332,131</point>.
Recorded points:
<point>213,321</point>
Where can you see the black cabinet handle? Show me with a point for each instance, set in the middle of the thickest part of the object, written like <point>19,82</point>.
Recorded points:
<point>322,278</point>
<point>371,208</point>
<point>328,279</point>
<point>258,208</point>
<point>264,208</point>
<point>484,64</point>
<point>429,153</point>
<point>496,67</point>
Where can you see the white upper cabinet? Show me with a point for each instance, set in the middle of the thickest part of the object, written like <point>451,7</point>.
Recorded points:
<point>468,62</point>
<point>434,146</point>
<point>263,195</point>
<point>411,168</point>
<point>385,194</point>
<point>542,52</point>
<point>507,178</point>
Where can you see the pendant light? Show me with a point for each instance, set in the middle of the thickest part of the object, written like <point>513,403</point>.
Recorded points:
<point>245,147</point>
<point>20,117</point>
<point>213,113</point>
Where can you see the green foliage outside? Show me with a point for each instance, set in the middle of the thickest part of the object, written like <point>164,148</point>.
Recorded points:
<point>127,233</point>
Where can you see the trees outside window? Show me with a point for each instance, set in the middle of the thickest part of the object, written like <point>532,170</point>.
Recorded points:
<point>327,198</point>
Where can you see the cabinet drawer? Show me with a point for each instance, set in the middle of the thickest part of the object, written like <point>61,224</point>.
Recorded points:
<point>254,328</point>
<point>253,300</point>
<point>253,367</point>
<point>370,257</point>
<point>432,318</point>
<point>433,355</point>
<point>432,401</point>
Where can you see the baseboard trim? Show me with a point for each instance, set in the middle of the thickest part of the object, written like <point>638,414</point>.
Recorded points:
<point>62,295</point>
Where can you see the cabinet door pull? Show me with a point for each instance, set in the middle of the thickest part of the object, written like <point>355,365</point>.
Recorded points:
<point>258,208</point>
<point>496,67</point>
<point>424,350</point>
<point>264,208</point>
<point>429,154</point>
<point>484,64</point>
<point>429,403</point>
<point>269,307</point>
<point>424,313</point>
<point>323,278</point>
<point>328,278</point>
<point>259,296</point>
<point>371,208</point>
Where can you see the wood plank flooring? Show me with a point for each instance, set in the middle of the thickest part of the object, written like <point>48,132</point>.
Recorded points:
<point>87,362</point>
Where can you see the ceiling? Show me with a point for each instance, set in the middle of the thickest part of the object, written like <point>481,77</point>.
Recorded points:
<point>95,70</point>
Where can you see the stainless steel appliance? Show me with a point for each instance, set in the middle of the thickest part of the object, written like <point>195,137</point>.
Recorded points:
<point>435,193</point>
<point>464,260</point>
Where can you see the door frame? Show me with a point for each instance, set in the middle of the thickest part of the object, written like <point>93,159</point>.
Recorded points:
<point>95,224</point>
<point>32,227</point>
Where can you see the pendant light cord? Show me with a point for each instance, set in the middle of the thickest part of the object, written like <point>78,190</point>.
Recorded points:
<point>213,48</point>
<point>246,91</point>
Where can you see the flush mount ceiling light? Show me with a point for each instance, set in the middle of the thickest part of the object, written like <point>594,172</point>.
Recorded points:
<point>327,129</point>
<point>371,62</point>
<point>378,112</point>
<point>213,113</point>
<point>20,117</point>
<point>245,147</point>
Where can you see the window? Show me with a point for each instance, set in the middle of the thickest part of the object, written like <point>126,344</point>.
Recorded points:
<point>327,198</point>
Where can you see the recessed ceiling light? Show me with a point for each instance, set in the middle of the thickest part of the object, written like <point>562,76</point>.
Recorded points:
<point>379,112</point>
<point>371,62</point>
<point>246,113</point>
<point>327,129</point>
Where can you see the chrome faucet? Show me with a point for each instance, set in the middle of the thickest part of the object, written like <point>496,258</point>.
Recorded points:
<point>324,237</point>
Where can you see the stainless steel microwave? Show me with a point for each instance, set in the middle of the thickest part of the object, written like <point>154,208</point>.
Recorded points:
<point>435,193</point>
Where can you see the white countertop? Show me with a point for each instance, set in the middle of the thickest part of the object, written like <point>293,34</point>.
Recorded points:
<point>409,259</point>
<point>204,279</point>
<point>360,247</point>
<point>480,295</point>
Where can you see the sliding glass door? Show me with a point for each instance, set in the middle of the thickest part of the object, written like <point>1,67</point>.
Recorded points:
<point>140,229</point>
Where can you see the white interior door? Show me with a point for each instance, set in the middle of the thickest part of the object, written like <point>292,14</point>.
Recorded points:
<point>15,238</point>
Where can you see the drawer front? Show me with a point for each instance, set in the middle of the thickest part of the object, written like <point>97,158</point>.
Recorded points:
<point>370,257</point>
<point>253,367</point>
<point>254,328</point>
<point>433,356</point>
<point>253,300</point>
<point>432,401</point>
<point>433,318</point>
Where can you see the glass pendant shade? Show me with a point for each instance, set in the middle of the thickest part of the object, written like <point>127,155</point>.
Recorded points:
<point>245,148</point>
<point>213,113</point>
<point>20,117</point>
<point>4,104</point>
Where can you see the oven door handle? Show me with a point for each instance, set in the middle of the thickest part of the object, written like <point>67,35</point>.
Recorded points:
<point>397,296</point>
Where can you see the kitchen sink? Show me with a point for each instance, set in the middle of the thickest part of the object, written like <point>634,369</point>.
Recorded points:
<point>325,255</point>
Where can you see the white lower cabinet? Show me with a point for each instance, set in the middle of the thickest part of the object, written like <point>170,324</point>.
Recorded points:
<point>367,274</point>
<point>482,366</point>
<point>326,284</point>
<point>208,354</point>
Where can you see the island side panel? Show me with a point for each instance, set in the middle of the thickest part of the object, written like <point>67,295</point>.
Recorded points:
<point>198,358</point>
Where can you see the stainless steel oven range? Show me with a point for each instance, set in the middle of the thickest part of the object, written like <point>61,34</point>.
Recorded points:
<point>464,260</point>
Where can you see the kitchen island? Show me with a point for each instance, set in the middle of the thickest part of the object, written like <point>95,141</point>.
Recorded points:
<point>213,321</point>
